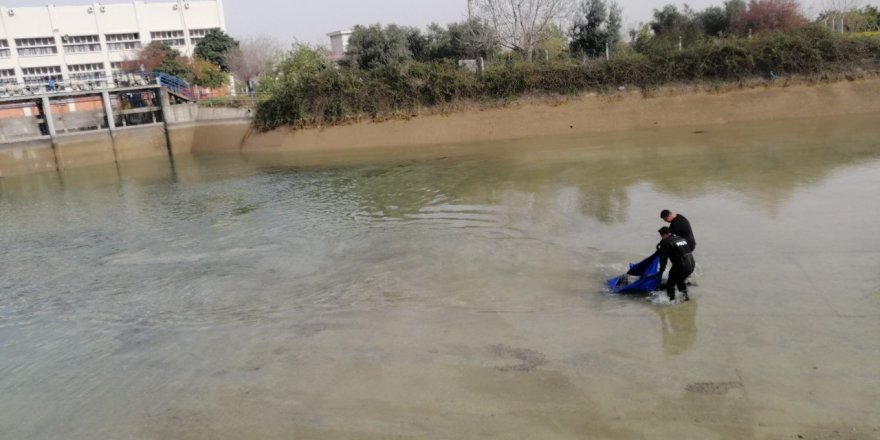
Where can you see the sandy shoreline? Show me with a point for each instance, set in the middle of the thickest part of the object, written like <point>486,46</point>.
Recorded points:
<point>627,110</point>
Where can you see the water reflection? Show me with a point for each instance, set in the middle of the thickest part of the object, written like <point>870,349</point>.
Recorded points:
<point>766,163</point>
<point>678,326</point>
<point>284,276</point>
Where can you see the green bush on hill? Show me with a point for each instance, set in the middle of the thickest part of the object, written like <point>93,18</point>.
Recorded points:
<point>330,95</point>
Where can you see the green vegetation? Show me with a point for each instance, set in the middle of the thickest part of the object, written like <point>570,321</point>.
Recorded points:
<point>596,29</point>
<point>307,89</point>
<point>208,68</point>
<point>214,47</point>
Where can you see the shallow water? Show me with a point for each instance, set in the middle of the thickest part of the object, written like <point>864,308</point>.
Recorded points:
<point>450,292</point>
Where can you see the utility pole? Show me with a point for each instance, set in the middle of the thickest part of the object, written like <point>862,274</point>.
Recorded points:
<point>470,9</point>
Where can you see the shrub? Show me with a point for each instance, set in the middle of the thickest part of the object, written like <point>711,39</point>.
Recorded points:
<point>317,95</point>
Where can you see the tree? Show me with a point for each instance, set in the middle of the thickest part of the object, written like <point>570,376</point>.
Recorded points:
<point>733,9</point>
<point>553,44</point>
<point>158,56</point>
<point>596,28</point>
<point>300,62</point>
<point>672,28</point>
<point>419,44</point>
<point>871,15</point>
<point>464,40</point>
<point>521,24</point>
<point>770,15</point>
<point>253,57</point>
<point>715,21</point>
<point>215,47</point>
<point>474,38</point>
<point>207,74</point>
<point>845,16</point>
<point>718,21</point>
<point>370,47</point>
<point>669,20</point>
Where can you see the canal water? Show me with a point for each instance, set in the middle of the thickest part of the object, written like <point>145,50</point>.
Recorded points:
<point>450,292</point>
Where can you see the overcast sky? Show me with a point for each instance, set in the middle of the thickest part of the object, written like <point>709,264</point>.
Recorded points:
<point>309,21</point>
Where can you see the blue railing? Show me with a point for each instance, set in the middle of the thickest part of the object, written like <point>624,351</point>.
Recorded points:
<point>173,83</point>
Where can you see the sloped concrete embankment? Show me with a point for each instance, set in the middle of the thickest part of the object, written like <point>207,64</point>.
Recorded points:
<point>625,111</point>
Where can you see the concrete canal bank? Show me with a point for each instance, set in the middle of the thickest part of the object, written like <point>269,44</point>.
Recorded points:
<point>64,131</point>
<point>160,127</point>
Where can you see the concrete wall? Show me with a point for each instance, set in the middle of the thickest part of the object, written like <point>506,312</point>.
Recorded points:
<point>140,143</point>
<point>209,137</point>
<point>80,150</point>
<point>189,129</point>
<point>206,129</point>
<point>190,112</point>
<point>19,128</point>
<point>69,122</point>
<point>26,157</point>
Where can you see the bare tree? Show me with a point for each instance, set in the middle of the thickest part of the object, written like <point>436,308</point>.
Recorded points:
<point>253,57</point>
<point>836,13</point>
<point>521,24</point>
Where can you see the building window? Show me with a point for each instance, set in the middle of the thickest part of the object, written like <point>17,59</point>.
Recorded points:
<point>87,72</point>
<point>4,49</point>
<point>7,76</point>
<point>35,47</point>
<point>197,35</point>
<point>41,75</point>
<point>173,38</point>
<point>119,42</point>
<point>81,43</point>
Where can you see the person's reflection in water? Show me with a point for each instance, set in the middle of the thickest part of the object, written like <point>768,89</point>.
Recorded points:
<point>679,327</point>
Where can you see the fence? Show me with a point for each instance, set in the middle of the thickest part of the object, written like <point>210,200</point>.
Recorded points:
<point>119,80</point>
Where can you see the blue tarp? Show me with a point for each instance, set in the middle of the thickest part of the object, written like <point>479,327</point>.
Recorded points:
<point>647,281</point>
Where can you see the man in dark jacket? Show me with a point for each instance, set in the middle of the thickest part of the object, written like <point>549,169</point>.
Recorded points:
<point>680,226</point>
<point>676,249</point>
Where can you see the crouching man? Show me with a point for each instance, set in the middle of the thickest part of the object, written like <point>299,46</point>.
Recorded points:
<point>676,249</point>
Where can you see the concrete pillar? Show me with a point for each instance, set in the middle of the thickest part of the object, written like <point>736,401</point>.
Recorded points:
<point>111,122</point>
<point>47,115</point>
<point>165,101</point>
<point>108,111</point>
<point>50,126</point>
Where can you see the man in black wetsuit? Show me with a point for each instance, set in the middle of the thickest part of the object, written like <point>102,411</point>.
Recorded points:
<point>676,249</point>
<point>680,226</point>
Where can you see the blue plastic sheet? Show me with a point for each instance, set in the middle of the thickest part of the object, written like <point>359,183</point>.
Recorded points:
<point>646,274</point>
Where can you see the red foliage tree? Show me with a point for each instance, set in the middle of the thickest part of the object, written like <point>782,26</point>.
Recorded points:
<point>769,15</point>
<point>148,58</point>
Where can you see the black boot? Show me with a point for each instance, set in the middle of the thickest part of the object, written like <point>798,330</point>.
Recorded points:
<point>685,297</point>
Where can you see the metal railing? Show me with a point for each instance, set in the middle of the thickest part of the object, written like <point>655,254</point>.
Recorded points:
<point>119,80</point>
<point>174,84</point>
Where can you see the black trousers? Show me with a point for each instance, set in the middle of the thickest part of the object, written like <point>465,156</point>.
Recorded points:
<point>678,276</point>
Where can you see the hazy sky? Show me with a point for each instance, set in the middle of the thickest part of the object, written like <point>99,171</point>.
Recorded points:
<point>309,21</point>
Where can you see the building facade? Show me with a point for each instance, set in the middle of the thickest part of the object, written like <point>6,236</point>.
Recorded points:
<point>339,44</point>
<point>90,42</point>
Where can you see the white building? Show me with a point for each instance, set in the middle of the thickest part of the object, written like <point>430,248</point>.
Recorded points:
<point>89,42</point>
<point>338,44</point>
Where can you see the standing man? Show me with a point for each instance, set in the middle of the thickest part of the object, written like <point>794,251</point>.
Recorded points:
<point>680,226</point>
<point>676,249</point>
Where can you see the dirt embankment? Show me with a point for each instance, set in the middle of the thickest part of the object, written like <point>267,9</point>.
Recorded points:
<point>626,110</point>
